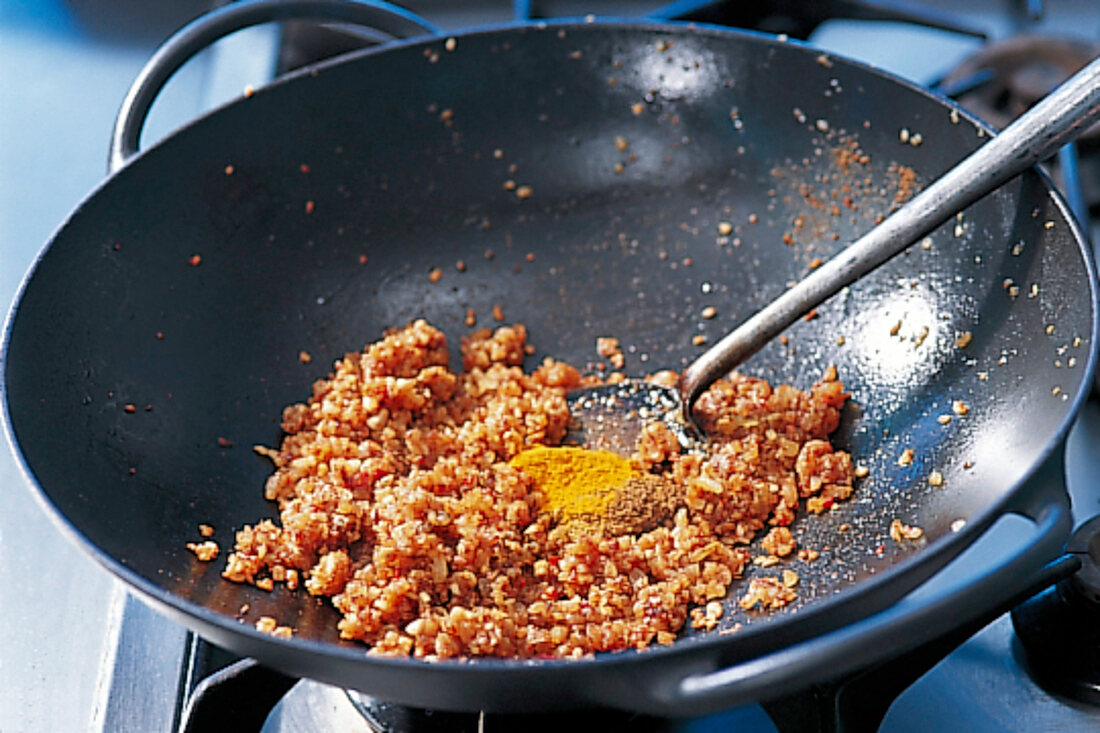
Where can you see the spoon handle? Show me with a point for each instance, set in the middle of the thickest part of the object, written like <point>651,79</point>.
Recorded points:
<point>1036,135</point>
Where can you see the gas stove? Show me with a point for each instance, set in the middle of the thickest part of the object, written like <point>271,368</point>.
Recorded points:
<point>78,652</point>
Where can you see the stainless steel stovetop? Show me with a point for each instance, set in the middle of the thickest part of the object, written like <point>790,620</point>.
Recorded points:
<point>77,652</point>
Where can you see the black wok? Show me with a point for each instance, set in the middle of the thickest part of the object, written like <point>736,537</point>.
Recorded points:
<point>400,149</point>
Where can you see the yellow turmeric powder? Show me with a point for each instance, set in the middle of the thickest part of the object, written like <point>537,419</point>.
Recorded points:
<point>575,482</point>
<point>598,491</point>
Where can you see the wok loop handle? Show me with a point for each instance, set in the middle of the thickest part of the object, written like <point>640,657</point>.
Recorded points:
<point>205,30</point>
<point>1035,136</point>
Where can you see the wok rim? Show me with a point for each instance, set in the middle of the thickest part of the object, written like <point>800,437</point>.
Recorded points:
<point>202,618</point>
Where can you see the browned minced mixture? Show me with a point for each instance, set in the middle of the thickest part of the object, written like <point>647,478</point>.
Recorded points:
<point>397,500</point>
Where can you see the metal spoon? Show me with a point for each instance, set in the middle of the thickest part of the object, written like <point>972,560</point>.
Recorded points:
<point>611,416</point>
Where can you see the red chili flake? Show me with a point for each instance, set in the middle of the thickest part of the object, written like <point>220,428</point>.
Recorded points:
<point>224,442</point>
<point>117,246</point>
<point>309,206</point>
<point>133,470</point>
<point>303,168</point>
<point>362,259</point>
<point>827,503</point>
<point>195,260</point>
<point>128,407</point>
<point>530,257</point>
<point>160,335</point>
<point>149,408</point>
<point>811,315</point>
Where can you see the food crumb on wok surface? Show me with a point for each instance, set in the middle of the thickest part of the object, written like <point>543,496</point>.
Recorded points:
<point>268,625</point>
<point>398,499</point>
<point>204,551</point>
<point>900,531</point>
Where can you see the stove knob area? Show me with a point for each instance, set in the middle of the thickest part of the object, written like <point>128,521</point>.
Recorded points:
<point>1059,629</point>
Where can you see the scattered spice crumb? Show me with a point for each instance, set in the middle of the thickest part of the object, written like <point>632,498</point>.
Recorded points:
<point>450,44</point>
<point>769,593</point>
<point>229,170</point>
<point>900,531</point>
<point>637,108</point>
<point>765,561</point>
<point>906,457</point>
<point>471,317</point>
<point>268,625</point>
<point>840,340</point>
<point>160,335</point>
<point>310,206</point>
<point>204,551</point>
<point>362,259</point>
<point>790,578</point>
<point>861,471</point>
<point>709,312</point>
<point>530,257</point>
<point>128,407</point>
<point>964,339</point>
<point>959,407</point>
<point>607,346</point>
<point>460,266</point>
<point>779,542</point>
<point>725,228</point>
<point>206,530</point>
<point>895,328</point>
<point>935,479</point>
<point>944,419</point>
<point>524,192</point>
<point>498,313</point>
<point>304,357</point>
<point>621,143</point>
<point>195,260</point>
<point>808,555</point>
<point>698,339</point>
<point>810,316</point>
<point>435,275</point>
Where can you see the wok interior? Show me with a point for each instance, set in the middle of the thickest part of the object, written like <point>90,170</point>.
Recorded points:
<point>407,162</point>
